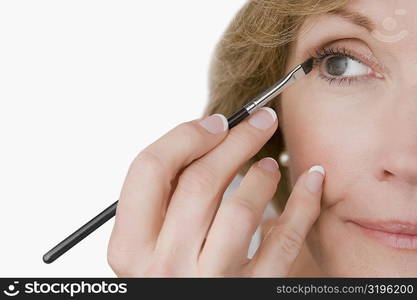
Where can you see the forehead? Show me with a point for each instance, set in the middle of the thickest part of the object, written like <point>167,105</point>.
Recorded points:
<point>390,24</point>
<point>389,16</point>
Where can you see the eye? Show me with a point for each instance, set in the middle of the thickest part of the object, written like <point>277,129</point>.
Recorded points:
<point>343,66</point>
<point>340,65</point>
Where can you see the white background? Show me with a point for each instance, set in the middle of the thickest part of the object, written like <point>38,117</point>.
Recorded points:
<point>84,86</point>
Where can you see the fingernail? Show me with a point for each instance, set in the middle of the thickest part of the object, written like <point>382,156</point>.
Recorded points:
<point>315,178</point>
<point>263,119</point>
<point>215,123</point>
<point>269,164</point>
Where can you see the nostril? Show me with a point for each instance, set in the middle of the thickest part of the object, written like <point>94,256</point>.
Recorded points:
<point>387,173</point>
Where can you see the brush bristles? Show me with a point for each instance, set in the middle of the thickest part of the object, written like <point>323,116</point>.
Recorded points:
<point>307,65</point>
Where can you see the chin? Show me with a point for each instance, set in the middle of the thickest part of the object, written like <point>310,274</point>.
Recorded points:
<point>360,248</point>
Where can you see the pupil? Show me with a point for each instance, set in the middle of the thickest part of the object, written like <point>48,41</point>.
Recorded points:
<point>336,65</point>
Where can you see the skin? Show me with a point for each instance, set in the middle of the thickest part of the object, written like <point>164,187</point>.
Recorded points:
<point>365,136</point>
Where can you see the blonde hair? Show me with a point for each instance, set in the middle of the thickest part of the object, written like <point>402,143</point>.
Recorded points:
<point>252,55</point>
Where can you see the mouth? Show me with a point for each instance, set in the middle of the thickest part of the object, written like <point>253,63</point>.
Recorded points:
<point>393,234</point>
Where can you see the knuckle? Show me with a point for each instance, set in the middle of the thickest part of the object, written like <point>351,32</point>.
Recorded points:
<point>125,259</point>
<point>247,140</point>
<point>149,163</point>
<point>243,140</point>
<point>198,178</point>
<point>119,263</point>
<point>191,132</point>
<point>290,241</point>
<point>170,263</point>
<point>245,214</point>
<point>161,268</point>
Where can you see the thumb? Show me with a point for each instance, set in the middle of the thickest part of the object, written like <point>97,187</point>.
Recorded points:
<point>283,241</point>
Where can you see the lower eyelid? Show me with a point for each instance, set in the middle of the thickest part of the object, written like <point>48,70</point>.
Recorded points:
<point>344,79</point>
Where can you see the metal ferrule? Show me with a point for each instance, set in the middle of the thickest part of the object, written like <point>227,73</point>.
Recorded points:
<point>277,88</point>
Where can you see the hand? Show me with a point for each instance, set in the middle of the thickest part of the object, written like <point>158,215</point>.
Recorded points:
<point>170,220</point>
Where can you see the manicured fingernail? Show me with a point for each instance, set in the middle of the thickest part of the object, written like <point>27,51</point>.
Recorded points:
<point>269,164</point>
<point>315,178</point>
<point>263,119</point>
<point>215,123</point>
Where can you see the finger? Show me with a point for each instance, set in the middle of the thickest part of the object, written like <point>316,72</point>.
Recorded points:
<point>203,183</point>
<point>145,192</point>
<point>227,243</point>
<point>283,242</point>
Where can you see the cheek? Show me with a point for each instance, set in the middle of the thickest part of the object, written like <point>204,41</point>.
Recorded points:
<point>327,130</point>
<point>312,132</point>
<point>343,133</point>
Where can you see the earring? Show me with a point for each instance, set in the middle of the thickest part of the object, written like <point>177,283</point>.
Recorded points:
<point>284,158</point>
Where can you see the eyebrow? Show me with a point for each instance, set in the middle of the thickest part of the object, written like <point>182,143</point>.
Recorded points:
<point>354,17</point>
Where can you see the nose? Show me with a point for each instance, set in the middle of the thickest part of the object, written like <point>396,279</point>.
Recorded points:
<point>401,167</point>
<point>400,158</point>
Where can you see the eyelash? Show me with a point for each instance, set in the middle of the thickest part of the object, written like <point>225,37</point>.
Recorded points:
<point>323,53</point>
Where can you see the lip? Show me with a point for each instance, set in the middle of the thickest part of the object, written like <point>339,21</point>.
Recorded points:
<point>394,234</point>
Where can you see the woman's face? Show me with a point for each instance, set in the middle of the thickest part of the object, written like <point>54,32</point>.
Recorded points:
<point>356,115</point>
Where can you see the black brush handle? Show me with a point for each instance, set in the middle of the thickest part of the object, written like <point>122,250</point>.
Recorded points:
<point>109,212</point>
<point>80,234</point>
<point>238,116</point>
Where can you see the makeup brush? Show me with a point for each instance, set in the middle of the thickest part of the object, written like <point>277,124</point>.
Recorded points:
<point>295,74</point>
<point>255,104</point>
